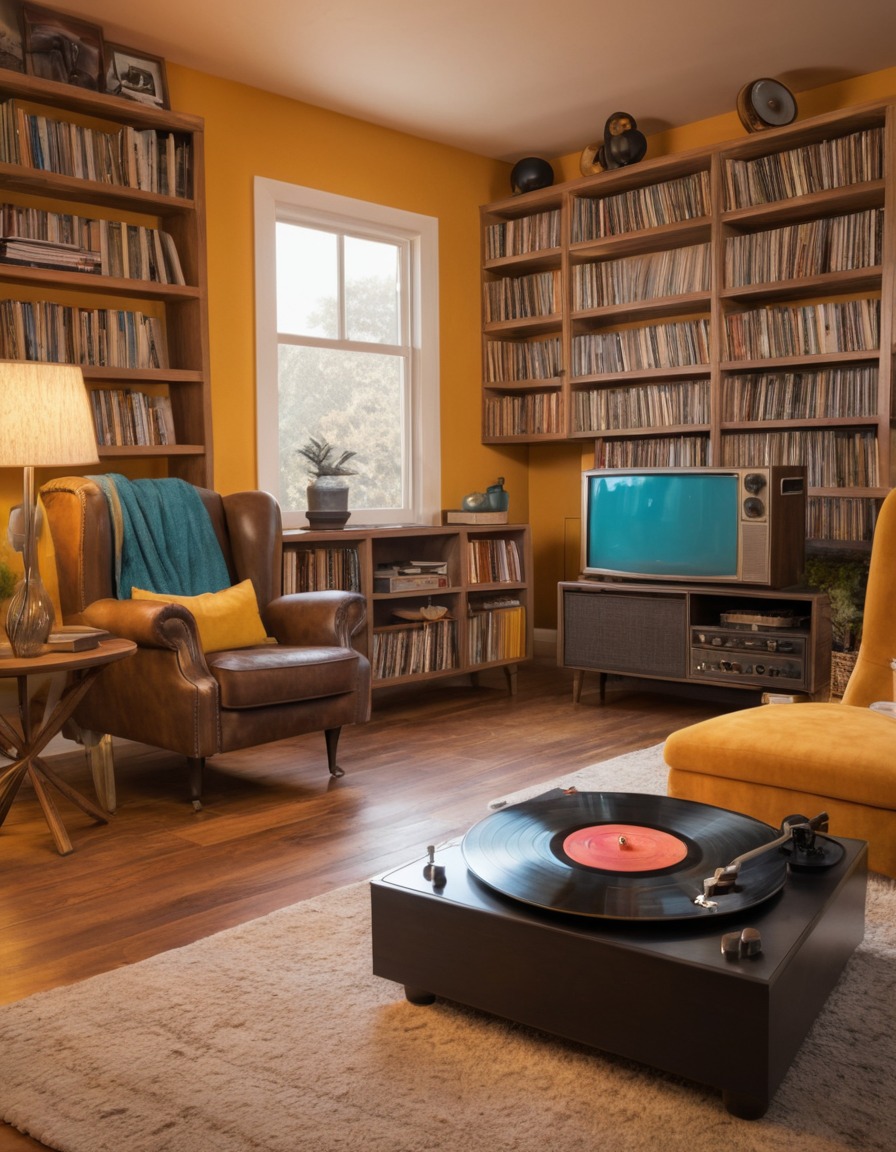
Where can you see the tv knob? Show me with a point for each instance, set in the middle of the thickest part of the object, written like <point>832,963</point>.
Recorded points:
<point>754,482</point>
<point>753,508</point>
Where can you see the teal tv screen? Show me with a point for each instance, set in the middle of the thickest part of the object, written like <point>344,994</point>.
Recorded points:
<point>663,524</point>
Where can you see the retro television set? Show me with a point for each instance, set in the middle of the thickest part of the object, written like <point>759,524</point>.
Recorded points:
<point>699,525</point>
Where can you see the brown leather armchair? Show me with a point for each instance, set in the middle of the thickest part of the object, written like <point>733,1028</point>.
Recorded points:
<point>171,694</point>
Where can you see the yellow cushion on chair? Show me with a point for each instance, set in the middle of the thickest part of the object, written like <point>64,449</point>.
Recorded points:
<point>226,619</point>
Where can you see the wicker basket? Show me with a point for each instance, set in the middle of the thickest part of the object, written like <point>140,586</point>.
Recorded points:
<point>842,664</point>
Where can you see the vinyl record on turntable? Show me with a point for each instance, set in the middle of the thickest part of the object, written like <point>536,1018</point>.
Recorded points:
<point>621,856</point>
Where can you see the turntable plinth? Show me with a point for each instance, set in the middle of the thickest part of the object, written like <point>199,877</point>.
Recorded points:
<point>659,993</point>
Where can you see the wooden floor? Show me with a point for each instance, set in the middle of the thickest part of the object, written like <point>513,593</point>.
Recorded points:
<point>275,829</point>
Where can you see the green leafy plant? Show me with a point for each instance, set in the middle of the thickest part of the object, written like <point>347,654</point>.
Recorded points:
<point>323,459</point>
<point>844,577</point>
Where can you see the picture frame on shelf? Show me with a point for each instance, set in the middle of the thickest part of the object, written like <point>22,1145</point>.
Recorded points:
<point>62,48</point>
<point>136,75</point>
<point>12,54</point>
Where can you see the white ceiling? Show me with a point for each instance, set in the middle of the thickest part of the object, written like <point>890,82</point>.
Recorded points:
<point>509,78</point>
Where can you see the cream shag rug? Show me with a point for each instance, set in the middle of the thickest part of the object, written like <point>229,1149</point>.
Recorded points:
<point>275,1036</point>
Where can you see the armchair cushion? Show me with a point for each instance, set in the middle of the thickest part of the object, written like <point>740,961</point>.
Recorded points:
<point>225,619</point>
<point>254,678</point>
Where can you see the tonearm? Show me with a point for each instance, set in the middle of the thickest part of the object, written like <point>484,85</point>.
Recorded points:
<point>796,829</point>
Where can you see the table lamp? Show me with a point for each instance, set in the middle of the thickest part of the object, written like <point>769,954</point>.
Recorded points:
<point>45,421</point>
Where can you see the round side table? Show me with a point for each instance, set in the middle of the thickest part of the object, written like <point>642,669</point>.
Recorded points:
<point>71,675</point>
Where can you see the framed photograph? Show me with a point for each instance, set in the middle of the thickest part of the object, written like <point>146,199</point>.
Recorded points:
<point>12,55</point>
<point>59,47</point>
<point>136,76</point>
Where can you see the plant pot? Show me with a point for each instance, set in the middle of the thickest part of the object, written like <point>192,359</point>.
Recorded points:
<point>327,503</point>
<point>842,664</point>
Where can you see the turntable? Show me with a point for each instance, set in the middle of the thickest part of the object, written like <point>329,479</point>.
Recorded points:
<point>686,937</point>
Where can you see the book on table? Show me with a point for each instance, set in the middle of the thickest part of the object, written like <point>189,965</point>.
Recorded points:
<point>75,638</point>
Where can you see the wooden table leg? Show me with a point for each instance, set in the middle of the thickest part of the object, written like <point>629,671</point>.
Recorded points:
<point>25,748</point>
<point>51,813</point>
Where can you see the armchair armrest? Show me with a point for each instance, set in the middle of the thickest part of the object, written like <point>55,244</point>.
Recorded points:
<point>149,623</point>
<point>315,618</point>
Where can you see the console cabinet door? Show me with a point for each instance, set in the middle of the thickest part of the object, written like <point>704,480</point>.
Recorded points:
<point>641,634</point>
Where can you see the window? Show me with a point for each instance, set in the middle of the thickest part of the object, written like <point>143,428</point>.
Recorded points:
<point>347,349</point>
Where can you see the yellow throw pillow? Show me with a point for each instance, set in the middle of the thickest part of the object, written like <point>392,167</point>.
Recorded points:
<point>226,619</point>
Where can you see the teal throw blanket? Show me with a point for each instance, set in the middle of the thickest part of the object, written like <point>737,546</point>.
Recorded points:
<point>163,536</point>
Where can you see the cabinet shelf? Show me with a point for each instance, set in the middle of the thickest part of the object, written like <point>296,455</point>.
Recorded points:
<point>135,451</point>
<point>542,258</point>
<point>643,240</point>
<point>829,202</point>
<point>78,190</point>
<point>808,287</point>
<point>590,319</point>
<point>88,282</point>
<point>807,360</point>
<point>350,558</point>
<point>782,208</point>
<point>531,325</point>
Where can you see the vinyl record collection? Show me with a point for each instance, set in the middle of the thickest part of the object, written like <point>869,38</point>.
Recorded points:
<point>668,202</point>
<point>516,237</point>
<point>851,159</point>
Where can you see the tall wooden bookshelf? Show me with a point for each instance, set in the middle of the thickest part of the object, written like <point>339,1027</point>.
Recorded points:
<point>732,305</point>
<point>480,573</point>
<point>125,183</point>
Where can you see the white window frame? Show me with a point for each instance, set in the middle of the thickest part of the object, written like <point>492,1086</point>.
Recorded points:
<point>276,201</point>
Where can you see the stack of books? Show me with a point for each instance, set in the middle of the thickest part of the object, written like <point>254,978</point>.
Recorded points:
<point>411,576</point>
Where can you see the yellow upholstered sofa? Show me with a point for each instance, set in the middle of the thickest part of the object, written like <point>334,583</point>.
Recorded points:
<point>776,761</point>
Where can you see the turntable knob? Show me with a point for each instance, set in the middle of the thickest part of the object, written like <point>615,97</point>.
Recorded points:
<point>434,873</point>
<point>738,944</point>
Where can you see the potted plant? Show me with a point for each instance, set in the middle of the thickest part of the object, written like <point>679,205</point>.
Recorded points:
<point>844,577</point>
<point>328,491</point>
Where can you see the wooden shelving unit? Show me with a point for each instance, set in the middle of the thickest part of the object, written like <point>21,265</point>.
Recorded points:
<point>730,305</point>
<point>177,311</point>
<point>485,587</point>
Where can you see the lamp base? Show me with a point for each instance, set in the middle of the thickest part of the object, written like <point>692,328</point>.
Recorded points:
<point>30,616</point>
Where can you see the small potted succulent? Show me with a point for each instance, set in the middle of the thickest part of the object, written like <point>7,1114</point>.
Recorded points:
<point>328,491</point>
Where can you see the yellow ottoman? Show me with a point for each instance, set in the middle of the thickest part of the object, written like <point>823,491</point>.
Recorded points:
<point>779,760</point>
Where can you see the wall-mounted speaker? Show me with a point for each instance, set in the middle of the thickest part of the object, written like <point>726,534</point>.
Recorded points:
<point>764,104</point>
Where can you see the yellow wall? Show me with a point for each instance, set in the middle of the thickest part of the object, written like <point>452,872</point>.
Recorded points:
<point>252,133</point>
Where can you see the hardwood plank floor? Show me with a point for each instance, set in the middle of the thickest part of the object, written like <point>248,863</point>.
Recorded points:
<point>275,829</point>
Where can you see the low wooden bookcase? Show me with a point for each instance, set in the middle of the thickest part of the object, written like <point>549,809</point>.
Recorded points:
<point>480,573</point>
<point>686,633</point>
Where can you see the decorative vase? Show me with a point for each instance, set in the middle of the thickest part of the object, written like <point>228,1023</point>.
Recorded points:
<point>327,503</point>
<point>29,617</point>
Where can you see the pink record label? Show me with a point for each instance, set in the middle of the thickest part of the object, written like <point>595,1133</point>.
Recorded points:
<point>624,848</point>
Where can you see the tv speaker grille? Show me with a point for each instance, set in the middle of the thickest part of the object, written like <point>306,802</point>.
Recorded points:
<point>754,563</point>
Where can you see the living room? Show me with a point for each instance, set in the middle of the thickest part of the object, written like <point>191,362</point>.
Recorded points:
<point>274,829</point>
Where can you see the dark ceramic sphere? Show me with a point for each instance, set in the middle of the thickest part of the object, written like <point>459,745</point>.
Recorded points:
<point>531,173</point>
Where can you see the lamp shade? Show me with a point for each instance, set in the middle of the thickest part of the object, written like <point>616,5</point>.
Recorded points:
<point>45,416</point>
